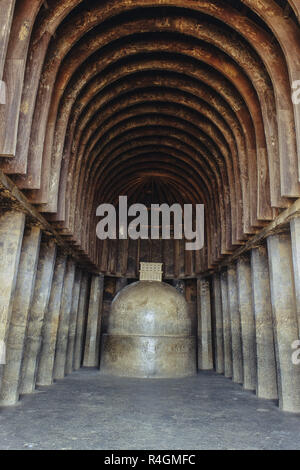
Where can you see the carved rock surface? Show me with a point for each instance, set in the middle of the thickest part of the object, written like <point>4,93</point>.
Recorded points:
<point>149,333</point>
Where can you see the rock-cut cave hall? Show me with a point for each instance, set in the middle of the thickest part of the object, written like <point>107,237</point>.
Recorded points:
<point>139,343</point>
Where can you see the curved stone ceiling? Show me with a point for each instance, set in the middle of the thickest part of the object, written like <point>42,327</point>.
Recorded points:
<point>193,95</point>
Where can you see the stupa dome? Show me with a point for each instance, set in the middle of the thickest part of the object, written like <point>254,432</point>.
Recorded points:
<point>149,333</point>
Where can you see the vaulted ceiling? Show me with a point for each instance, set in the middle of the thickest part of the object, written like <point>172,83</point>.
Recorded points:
<point>191,98</point>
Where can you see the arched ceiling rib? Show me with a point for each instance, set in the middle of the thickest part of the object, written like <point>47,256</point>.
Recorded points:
<point>190,97</point>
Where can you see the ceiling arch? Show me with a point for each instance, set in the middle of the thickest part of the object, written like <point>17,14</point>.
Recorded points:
<point>117,96</point>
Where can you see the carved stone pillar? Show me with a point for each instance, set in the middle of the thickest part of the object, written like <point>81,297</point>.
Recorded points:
<point>247,323</point>
<point>205,353</point>
<point>285,320</point>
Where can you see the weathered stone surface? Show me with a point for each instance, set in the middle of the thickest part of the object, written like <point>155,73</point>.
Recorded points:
<point>121,283</point>
<point>81,320</point>
<point>171,101</point>
<point>64,322</point>
<point>148,357</point>
<point>295,236</point>
<point>218,325</point>
<point>265,348</point>
<point>11,234</point>
<point>93,331</point>
<point>9,393</point>
<point>179,286</point>
<point>99,325</point>
<point>51,321</point>
<point>6,16</point>
<point>236,329</point>
<point>36,315</point>
<point>149,333</point>
<point>226,326</point>
<point>285,320</point>
<point>236,150</point>
<point>247,323</point>
<point>205,351</point>
<point>73,322</point>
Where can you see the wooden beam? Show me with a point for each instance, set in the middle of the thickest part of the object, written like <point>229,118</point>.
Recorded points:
<point>279,224</point>
<point>12,198</point>
<point>6,15</point>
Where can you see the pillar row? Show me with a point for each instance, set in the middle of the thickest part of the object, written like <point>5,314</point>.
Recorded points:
<point>247,323</point>
<point>235,322</point>
<point>265,348</point>
<point>93,330</point>
<point>9,393</point>
<point>205,353</point>
<point>51,320</point>
<point>12,225</point>
<point>73,322</point>
<point>226,326</point>
<point>218,325</point>
<point>36,315</point>
<point>81,320</point>
<point>64,322</point>
<point>285,320</point>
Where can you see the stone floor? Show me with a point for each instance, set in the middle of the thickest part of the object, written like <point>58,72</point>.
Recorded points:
<point>90,411</point>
